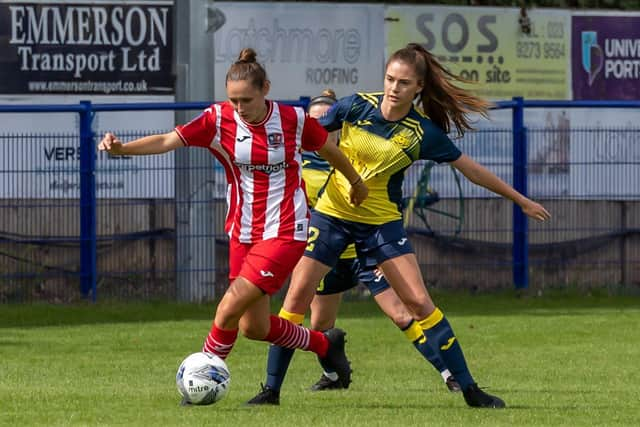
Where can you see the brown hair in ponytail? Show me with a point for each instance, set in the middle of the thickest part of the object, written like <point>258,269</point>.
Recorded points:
<point>441,99</point>
<point>327,97</point>
<point>247,68</point>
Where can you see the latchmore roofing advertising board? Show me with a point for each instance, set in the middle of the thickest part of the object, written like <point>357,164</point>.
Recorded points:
<point>305,48</point>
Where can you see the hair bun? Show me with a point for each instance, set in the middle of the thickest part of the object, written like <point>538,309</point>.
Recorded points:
<point>327,97</point>
<point>329,93</point>
<point>247,55</point>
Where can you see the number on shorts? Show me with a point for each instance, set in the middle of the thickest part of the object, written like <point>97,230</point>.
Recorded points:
<point>314,232</point>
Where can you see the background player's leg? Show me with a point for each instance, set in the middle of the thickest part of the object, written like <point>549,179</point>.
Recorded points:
<point>279,358</point>
<point>305,278</point>
<point>324,310</point>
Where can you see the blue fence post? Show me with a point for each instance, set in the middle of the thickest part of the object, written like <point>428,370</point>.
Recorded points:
<point>520,249</point>
<point>305,100</point>
<point>88,256</point>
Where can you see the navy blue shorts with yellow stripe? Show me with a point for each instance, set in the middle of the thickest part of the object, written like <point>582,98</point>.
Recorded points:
<point>347,274</point>
<point>329,236</point>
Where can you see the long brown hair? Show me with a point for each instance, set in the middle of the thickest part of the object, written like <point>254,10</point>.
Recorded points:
<point>247,68</point>
<point>441,99</point>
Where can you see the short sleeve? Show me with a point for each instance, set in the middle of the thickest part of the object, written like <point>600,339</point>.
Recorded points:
<point>333,118</point>
<point>437,146</point>
<point>200,131</point>
<point>313,135</point>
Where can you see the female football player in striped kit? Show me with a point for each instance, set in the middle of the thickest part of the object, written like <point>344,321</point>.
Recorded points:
<point>258,142</point>
<point>346,275</point>
<point>383,134</point>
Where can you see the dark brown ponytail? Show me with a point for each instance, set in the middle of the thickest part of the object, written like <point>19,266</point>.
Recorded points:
<point>247,68</point>
<point>441,99</point>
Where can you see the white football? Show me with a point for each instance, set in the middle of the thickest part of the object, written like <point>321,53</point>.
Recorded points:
<point>203,379</point>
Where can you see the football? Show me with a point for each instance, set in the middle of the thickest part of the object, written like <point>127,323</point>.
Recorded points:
<point>203,379</point>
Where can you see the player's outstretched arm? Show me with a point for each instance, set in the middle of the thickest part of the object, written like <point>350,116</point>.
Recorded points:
<point>482,176</point>
<point>152,144</point>
<point>359,190</point>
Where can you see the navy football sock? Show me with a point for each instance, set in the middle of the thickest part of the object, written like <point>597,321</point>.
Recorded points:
<point>277,365</point>
<point>414,333</point>
<point>442,339</point>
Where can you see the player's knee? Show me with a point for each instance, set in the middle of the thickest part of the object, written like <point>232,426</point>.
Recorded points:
<point>226,316</point>
<point>399,315</point>
<point>298,302</point>
<point>401,319</point>
<point>419,307</point>
<point>252,330</point>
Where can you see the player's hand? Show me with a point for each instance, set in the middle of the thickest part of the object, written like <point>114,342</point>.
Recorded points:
<point>111,144</point>
<point>535,210</point>
<point>358,193</point>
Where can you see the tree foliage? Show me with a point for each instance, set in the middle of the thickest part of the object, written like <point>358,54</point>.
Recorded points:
<point>563,4</point>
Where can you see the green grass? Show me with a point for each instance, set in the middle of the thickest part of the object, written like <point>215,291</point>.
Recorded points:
<point>563,360</point>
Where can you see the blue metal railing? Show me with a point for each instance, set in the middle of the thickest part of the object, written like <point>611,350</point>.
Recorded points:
<point>86,111</point>
<point>520,250</point>
<point>520,222</point>
<point>88,252</point>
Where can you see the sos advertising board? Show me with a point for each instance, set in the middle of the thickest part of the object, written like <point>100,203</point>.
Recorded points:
<point>487,45</point>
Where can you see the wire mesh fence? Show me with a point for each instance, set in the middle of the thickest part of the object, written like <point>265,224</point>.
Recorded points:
<point>463,235</point>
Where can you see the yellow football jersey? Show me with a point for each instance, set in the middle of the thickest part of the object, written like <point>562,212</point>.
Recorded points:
<point>380,151</point>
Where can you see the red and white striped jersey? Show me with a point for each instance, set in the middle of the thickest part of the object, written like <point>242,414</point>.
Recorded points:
<point>263,164</point>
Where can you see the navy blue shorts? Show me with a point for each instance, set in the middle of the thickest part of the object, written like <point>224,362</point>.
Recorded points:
<point>347,274</point>
<point>329,236</point>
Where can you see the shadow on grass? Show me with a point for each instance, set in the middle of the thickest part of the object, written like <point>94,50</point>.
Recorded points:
<point>511,303</point>
<point>454,304</point>
<point>16,343</point>
<point>38,315</point>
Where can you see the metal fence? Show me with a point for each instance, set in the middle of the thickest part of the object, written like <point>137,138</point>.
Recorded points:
<point>91,226</point>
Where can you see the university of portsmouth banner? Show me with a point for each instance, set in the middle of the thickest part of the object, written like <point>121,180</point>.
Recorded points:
<point>487,45</point>
<point>606,57</point>
<point>89,47</point>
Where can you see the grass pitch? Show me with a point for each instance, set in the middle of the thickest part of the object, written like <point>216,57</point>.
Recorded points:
<point>555,361</point>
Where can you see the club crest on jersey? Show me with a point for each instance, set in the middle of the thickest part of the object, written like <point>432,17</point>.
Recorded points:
<point>403,139</point>
<point>275,140</point>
